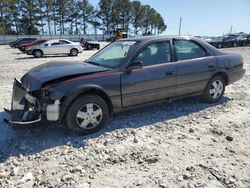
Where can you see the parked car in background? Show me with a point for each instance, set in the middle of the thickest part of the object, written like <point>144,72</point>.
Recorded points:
<point>229,40</point>
<point>126,74</point>
<point>117,34</point>
<point>215,41</point>
<point>243,39</point>
<point>23,47</point>
<point>89,43</point>
<point>54,47</point>
<point>16,43</point>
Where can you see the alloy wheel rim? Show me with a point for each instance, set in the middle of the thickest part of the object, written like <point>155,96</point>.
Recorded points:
<point>216,89</point>
<point>38,53</point>
<point>89,116</point>
<point>73,52</point>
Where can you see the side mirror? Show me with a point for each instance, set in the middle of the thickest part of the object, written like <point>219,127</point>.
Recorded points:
<point>136,64</point>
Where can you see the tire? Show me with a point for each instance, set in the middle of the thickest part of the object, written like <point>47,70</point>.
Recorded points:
<point>38,53</point>
<point>211,94</point>
<point>98,47</point>
<point>87,114</point>
<point>74,52</point>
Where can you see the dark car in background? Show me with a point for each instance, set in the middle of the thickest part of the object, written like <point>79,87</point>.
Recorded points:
<point>229,40</point>
<point>215,41</point>
<point>24,47</point>
<point>126,74</point>
<point>89,43</point>
<point>243,39</point>
<point>16,43</point>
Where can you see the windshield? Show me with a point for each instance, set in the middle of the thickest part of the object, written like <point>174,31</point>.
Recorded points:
<point>114,54</point>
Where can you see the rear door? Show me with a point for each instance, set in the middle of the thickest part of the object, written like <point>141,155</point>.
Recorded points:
<point>155,81</point>
<point>194,66</point>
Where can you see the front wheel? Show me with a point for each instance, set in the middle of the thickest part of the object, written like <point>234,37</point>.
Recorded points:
<point>214,90</point>
<point>87,114</point>
<point>38,53</point>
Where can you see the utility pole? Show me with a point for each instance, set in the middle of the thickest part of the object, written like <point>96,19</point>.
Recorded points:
<point>231,28</point>
<point>180,25</point>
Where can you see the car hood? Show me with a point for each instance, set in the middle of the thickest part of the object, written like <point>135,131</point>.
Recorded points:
<point>37,76</point>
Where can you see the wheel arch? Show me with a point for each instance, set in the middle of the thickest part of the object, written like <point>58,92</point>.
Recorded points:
<point>67,101</point>
<point>37,49</point>
<point>223,74</point>
<point>74,48</point>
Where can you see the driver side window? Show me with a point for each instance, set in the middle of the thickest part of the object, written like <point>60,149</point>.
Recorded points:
<point>155,53</point>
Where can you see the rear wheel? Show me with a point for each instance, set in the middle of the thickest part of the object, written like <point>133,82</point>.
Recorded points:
<point>38,53</point>
<point>87,114</point>
<point>73,52</point>
<point>214,90</point>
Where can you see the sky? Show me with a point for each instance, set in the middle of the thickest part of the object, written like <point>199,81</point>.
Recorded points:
<point>202,17</point>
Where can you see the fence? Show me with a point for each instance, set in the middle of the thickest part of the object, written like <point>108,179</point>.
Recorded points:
<point>5,39</point>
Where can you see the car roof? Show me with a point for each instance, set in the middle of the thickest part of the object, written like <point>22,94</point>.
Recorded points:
<point>154,37</point>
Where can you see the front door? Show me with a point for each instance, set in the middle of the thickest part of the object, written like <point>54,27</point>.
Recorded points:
<point>155,81</point>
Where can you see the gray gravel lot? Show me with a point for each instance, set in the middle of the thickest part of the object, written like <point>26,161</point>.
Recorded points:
<point>184,144</point>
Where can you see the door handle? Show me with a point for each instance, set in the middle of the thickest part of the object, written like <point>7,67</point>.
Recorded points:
<point>211,65</point>
<point>169,73</point>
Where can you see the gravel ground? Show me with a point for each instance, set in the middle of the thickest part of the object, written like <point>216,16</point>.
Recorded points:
<point>184,144</point>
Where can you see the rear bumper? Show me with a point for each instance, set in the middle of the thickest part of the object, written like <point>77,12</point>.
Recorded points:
<point>236,75</point>
<point>25,108</point>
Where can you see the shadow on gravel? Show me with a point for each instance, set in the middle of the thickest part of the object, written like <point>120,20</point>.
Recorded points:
<point>31,57</point>
<point>27,141</point>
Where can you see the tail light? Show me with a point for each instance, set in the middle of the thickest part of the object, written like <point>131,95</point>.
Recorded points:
<point>241,62</point>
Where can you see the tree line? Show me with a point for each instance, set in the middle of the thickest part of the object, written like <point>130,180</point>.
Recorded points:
<point>77,16</point>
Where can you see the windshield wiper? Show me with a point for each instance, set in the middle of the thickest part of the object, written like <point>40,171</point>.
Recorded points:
<point>94,63</point>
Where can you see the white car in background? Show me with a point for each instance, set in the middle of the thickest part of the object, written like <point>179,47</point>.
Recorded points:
<point>54,47</point>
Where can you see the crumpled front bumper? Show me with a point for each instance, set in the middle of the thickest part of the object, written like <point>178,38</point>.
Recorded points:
<point>25,109</point>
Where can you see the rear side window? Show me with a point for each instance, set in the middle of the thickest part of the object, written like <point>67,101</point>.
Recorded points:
<point>55,43</point>
<point>64,42</point>
<point>155,53</point>
<point>186,49</point>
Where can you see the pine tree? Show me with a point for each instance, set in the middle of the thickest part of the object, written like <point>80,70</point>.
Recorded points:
<point>86,14</point>
<point>105,14</point>
<point>29,17</point>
